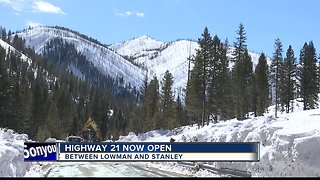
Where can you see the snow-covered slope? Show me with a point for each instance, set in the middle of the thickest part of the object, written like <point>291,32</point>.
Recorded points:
<point>154,55</point>
<point>104,59</point>
<point>8,48</point>
<point>161,56</point>
<point>289,144</point>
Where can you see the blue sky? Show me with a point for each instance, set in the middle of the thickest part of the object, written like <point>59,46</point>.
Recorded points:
<point>110,21</point>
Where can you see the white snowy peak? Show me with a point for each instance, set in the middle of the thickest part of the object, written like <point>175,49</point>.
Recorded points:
<point>104,59</point>
<point>136,46</point>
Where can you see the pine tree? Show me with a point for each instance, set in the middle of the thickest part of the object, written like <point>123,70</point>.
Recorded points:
<point>205,55</point>
<point>242,75</point>
<point>3,33</point>
<point>167,103</point>
<point>144,87</point>
<point>240,44</point>
<point>214,64</point>
<point>276,65</point>
<point>143,107</point>
<point>289,71</point>
<point>198,90</point>
<point>194,90</point>
<point>218,79</point>
<point>181,117</point>
<point>308,76</point>
<point>261,89</point>
<point>248,80</point>
<point>134,123</point>
<point>152,103</point>
<point>226,87</point>
<point>52,120</point>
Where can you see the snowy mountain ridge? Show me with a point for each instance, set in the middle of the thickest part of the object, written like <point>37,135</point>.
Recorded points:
<point>137,46</point>
<point>105,60</point>
<point>129,59</point>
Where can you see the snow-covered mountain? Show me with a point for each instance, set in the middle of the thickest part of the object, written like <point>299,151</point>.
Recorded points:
<point>159,56</point>
<point>128,59</point>
<point>104,59</point>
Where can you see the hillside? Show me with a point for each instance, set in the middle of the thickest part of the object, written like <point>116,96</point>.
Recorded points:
<point>159,56</point>
<point>129,59</point>
<point>8,48</point>
<point>105,60</point>
<point>36,95</point>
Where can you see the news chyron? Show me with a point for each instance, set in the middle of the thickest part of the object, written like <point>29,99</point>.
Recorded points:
<point>142,151</point>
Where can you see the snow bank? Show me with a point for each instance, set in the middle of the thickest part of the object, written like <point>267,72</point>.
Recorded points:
<point>289,144</point>
<point>12,162</point>
<point>11,154</point>
<point>148,136</point>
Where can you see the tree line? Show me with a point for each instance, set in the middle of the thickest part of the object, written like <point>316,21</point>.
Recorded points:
<point>158,108</point>
<point>224,88</point>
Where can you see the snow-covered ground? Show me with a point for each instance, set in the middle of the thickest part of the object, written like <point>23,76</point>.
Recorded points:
<point>11,154</point>
<point>289,145</point>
